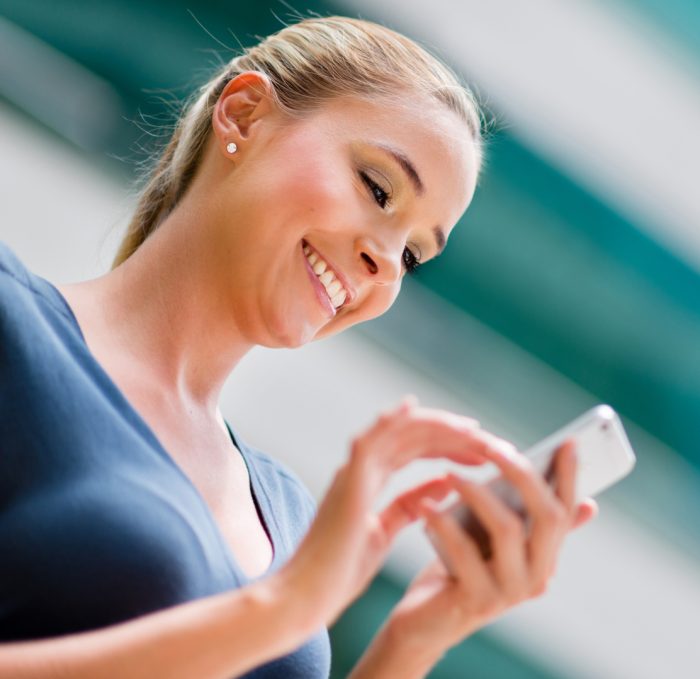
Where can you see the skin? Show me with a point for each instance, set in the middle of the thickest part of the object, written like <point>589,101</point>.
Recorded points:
<point>228,259</point>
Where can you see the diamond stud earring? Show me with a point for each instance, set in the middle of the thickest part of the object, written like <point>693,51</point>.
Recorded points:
<point>231,147</point>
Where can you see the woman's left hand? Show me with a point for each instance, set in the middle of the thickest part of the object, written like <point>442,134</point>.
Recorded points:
<point>438,609</point>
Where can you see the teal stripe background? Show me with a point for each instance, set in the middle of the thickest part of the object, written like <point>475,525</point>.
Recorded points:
<point>680,19</point>
<point>562,275</point>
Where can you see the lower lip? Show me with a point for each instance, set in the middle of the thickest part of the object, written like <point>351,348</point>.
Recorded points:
<point>321,293</point>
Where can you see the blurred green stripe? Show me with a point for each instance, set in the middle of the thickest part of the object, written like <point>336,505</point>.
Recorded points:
<point>679,18</point>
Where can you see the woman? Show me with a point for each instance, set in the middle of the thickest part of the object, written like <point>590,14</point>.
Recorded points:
<point>142,537</point>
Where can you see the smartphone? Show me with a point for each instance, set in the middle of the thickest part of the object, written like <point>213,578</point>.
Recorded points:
<point>604,456</point>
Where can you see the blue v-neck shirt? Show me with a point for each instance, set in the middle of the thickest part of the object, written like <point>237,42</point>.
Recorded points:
<point>98,524</point>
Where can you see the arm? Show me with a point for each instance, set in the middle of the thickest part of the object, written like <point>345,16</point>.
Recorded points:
<point>391,657</point>
<point>213,638</point>
<point>226,635</point>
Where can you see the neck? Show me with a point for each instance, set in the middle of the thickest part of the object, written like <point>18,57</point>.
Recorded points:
<point>161,312</point>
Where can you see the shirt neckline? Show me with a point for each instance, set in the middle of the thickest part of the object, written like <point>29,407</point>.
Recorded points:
<point>257,490</point>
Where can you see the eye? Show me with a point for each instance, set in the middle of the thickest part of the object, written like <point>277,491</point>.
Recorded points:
<point>380,196</point>
<point>410,261</point>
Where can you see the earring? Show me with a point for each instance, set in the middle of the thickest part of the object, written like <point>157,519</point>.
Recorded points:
<point>231,147</point>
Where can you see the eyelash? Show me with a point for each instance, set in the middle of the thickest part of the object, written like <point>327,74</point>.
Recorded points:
<point>411,262</point>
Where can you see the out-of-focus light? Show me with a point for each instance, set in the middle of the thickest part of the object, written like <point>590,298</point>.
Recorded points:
<point>57,90</point>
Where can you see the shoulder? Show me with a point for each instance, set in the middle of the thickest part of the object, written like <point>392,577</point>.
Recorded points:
<point>24,296</point>
<point>15,282</point>
<point>11,266</point>
<point>17,299</point>
<point>38,341</point>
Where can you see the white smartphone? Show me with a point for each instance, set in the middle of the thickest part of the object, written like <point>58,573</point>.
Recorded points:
<point>604,456</point>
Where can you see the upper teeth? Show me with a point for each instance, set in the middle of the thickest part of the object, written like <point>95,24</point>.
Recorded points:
<point>333,286</point>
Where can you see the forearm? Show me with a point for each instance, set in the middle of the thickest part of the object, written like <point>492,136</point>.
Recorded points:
<point>214,638</point>
<point>391,656</point>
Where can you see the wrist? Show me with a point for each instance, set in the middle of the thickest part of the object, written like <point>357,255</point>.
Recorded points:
<point>393,655</point>
<point>422,653</point>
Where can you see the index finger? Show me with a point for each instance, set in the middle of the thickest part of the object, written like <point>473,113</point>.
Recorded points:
<point>431,433</point>
<point>565,465</point>
<point>536,493</point>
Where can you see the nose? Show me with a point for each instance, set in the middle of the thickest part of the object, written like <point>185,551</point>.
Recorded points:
<point>381,261</point>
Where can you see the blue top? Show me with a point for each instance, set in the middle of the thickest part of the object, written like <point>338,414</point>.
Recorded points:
<point>98,524</point>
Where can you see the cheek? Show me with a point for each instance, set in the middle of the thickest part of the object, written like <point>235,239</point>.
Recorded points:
<point>316,187</point>
<point>309,174</point>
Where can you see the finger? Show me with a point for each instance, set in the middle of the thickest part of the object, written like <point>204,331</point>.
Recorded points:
<point>404,434</point>
<point>537,496</point>
<point>586,511</point>
<point>546,537</point>
<point>456,548</point>
<point>547,515</point>
<point>506,533</point>
<point>431,434</point>
<point>405,509</point>
<point>548,530</point>
<point>552,519</point>
<point>565,475</point>
<point>408,433</point>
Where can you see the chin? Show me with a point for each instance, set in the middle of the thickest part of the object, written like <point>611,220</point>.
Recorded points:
<point>286,337</point>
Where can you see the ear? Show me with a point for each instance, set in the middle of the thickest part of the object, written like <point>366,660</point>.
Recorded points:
<point>245,100</point>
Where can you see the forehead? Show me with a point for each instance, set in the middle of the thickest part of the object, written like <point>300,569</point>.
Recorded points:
<point>436,140</point>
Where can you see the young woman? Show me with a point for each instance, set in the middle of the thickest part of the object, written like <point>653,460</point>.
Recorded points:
<point>141,536</point>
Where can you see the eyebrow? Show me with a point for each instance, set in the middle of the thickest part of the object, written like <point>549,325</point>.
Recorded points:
<point>410,170</point>
<point>406,165</point>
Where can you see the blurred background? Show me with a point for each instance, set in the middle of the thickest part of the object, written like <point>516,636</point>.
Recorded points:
<point>572,280</point>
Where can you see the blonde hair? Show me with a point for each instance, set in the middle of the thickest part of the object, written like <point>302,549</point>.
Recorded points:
<point>308,62</point>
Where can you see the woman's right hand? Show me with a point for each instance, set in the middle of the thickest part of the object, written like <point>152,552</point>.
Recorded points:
<point>348,541</point>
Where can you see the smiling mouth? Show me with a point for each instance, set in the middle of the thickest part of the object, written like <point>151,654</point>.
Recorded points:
<point>336,293</point>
